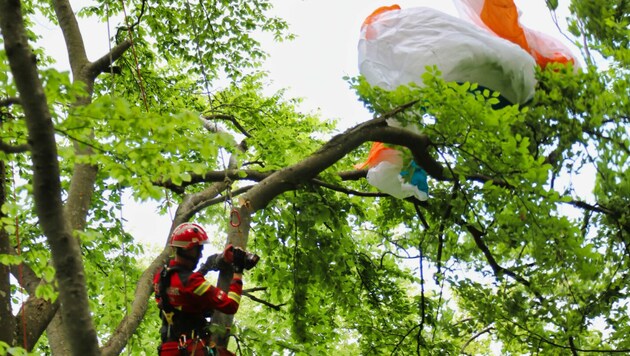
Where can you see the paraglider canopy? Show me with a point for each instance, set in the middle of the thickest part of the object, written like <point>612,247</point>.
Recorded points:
<point>501,17</point>
<point>396,46</point>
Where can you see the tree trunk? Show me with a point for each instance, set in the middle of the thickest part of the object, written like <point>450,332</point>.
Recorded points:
<point>7,322</point>
<point>238,234</point>
<point>66,253</point>
<point>57,337</point>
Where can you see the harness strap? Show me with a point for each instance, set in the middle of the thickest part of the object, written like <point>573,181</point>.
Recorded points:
<point>178,325</point>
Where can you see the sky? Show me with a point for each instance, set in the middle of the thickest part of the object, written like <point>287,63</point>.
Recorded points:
<point>325,50</point>
<point>312,66</point>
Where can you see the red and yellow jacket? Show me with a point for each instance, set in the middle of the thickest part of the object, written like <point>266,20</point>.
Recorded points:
<point>191,293</point>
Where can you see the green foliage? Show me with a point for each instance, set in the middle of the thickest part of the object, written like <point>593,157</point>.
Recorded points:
<point>606,25</point>
<point>494,259</point>
<point>15,351</point>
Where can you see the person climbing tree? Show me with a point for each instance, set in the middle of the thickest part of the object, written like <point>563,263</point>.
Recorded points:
<point>185,298</point>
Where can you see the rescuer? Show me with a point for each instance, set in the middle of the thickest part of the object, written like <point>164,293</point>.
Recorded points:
<point>186,298</point>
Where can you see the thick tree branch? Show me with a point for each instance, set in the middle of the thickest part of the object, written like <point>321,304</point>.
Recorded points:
<point>7,324</point>
<point>594,208</point>
<point>25,275</point>
<point>36,313</point>
<point>9,101</point>
<point>216,176</point>
<point>72,35</point>
<point>353,175</point>
<point>66,254</point>
<point>572,346</point>
<point>13,149</point>
<point>340,145</point>
<point>102,64</point>
<point>615,214</point>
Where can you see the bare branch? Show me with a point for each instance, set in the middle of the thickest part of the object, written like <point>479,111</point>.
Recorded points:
<point>498,269</point>
<point>595,208</point>
<point>229,118</point>
<point>347,191</point>
<point>216,176</point>
<point>36,313</point>
<point>486,330</point>
<point>9,101</point>
<point>102,64</point>
<point>353,175</point>
<point>573,348</point>
<point>255,289</point>
<point>72,36</point>
<point>14,149</point>
<point>202,202</point>
<point>264,302</point>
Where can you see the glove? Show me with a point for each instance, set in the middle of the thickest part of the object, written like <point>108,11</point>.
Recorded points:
<point>251,260</point>
<point>213,263</point>
<point>239,259</point>
<point>227,254</point>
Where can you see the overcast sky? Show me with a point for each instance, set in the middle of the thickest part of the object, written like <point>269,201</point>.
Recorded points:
<point>325,50</point>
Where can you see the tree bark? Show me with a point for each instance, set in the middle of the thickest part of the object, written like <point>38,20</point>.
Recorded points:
<point>238,234</point>
<point>84,175</point>
<point>35,311</point>
<point>66,253</point>
<point>7,322</point>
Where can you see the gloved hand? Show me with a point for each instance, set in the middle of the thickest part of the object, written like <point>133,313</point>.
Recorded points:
<point>218,261</point>
<point>227,254</point>
<point>239,259</point>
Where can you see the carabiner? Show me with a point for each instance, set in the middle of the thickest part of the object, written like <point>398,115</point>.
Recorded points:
<point>234,213</point>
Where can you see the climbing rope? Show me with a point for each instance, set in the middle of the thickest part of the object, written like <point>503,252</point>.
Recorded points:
<point>135,56</point>
<point>123,247</point>
<point>120,192</point>
<point>208,93</point>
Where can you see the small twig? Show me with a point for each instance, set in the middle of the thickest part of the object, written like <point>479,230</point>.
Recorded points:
<point>144,3</point>
<point>486,330</point>
<point>255,289</point>
<point>496,268</point>
<point>264,302</point>
<point>347,191</point>
<point>231,119</point>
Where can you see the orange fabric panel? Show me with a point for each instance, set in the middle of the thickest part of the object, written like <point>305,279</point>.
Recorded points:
<point>380,10</point>
<point>501,16</point>
<point>379,153</point>
<point>369,32</point>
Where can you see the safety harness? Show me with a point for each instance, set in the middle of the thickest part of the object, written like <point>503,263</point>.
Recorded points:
<point>177,325</point>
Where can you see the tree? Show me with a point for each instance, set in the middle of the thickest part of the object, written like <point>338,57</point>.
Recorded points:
<point>508,264</point>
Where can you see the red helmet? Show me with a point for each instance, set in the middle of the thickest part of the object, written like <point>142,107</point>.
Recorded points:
<point>187,235</point>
